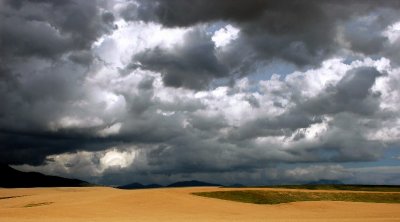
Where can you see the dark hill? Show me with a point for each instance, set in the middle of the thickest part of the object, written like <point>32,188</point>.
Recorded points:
<point>139,186</point>
<point>193,183</point>
<point>12,178</point>
<point>132,186</point>
<point>153,185</point>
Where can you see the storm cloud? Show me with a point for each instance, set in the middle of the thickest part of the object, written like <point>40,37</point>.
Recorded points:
<point>193,64</point>
<point>256,92</point>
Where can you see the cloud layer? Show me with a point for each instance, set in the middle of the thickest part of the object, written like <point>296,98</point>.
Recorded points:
<point>224,91</point>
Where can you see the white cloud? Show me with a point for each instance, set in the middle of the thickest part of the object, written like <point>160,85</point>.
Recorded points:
<point>393,32</point>
<point>111,130</point>
<point>84,164</point>
<point>75,122</point>
<point>116,158</point>
<point>133,37</point>
<point>225,35</point>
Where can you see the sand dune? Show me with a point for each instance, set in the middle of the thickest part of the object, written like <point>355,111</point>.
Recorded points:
<point>171,204</point>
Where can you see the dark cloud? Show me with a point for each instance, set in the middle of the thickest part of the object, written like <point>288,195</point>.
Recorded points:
<point>191,64</point>
<point>50,28</point>
<point>34,147</point>
<point>35,92</point>
<point>351,94</point>
<point>282,125</point>
<point>296,31</point>
<point>172,13</point>
<point>182,13</point>
<point>82,57</point>
<point>346,143</point>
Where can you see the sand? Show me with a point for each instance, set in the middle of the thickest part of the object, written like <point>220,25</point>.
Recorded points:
<point>102,204</point>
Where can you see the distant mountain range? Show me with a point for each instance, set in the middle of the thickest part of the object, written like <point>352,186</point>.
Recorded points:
<point>191,183</point>
<point>195,183</point>
<point>12,178</point>
<point>325,182</point>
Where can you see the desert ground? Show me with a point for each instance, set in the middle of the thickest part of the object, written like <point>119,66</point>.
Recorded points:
<point>100,204</point>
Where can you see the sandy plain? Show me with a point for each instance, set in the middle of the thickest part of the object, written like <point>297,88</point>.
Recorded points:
<point>101,204</point>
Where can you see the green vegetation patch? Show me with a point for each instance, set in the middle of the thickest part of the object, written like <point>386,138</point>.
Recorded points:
<point>38,204</point>
<point>277,197</point>
<point>377,188</point>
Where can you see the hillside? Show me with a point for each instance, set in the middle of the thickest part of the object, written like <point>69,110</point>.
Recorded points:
<point>12,178</point>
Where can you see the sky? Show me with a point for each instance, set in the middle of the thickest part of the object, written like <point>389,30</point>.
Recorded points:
<point>255,92</point>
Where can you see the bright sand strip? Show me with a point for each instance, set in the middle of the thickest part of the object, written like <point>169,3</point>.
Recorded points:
<point>172,204</point>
